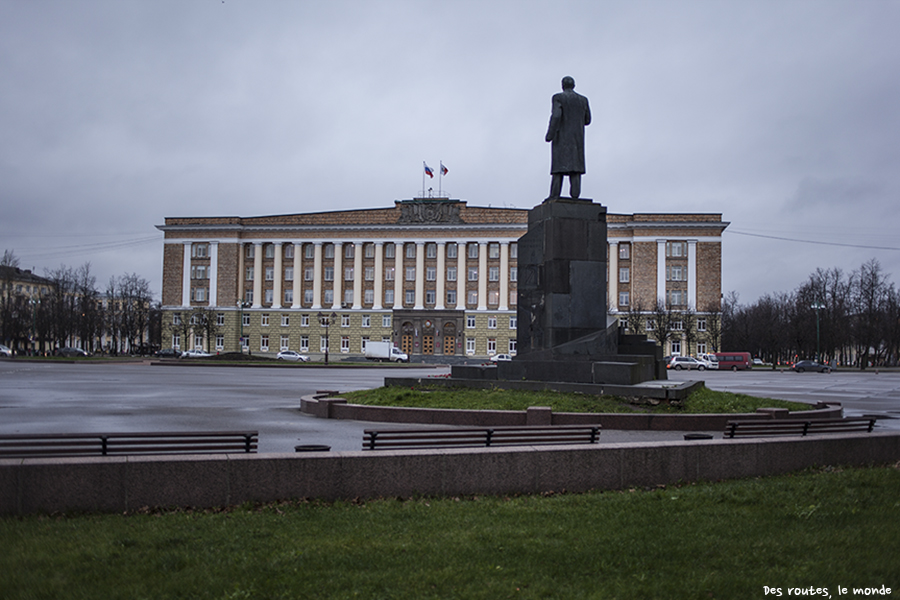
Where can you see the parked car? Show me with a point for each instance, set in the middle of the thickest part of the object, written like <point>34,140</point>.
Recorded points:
<point>501,358</point>
<point>685,362</point>
<point>810,365</point>
<point>196,353</point>
<point>5,351</point>
<point>70,352</point>
<point>710,360</point>
<point>292,355</point>
<point>758,362</point>
<point>168,353</point>
<point>736,361</point>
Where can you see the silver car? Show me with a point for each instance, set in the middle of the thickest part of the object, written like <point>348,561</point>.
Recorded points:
<point>685,362</point>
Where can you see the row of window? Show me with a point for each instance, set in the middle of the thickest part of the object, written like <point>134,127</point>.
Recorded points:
<point>203,272</point>
<point>285,344</point>
<point>675,326</point>
<point>673,298</point>
<point>201,250</point>
<point>368,297</point>
<point>366,320</point>
<point>673,273</point>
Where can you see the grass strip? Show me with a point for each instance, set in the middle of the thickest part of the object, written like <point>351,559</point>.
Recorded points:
<point>822,528</point>
<point>703,400</point>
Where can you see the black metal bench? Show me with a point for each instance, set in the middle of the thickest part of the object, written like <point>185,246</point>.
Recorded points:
<point>120,444</point>
<point>748,428</point>
<point>459,437</point>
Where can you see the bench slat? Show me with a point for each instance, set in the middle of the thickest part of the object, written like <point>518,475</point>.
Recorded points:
<point>120,444</point>
<point>746,428</point>
<point>478,437</point>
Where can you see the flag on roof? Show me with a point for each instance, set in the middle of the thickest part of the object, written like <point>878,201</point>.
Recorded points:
<point>428,170</point>
<point>443,169</point>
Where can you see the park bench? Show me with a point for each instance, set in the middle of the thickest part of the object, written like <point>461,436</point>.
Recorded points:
<point>758,428</point>
<point>121,444</point>
<point>459,437</point>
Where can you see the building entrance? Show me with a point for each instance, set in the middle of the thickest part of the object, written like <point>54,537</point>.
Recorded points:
<point>449,338</point>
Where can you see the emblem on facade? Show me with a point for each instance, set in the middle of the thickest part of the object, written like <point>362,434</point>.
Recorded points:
<point>429,211</point>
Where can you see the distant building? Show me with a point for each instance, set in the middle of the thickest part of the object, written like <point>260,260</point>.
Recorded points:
<point>21,293</point>
<point>434,276</point>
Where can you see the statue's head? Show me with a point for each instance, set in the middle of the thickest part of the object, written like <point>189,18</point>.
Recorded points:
<point>568,83</point>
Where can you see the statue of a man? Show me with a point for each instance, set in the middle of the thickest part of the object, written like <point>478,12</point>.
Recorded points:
<point>571,113</point>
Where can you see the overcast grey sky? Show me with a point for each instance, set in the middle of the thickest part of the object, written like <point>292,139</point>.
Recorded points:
<point>784,116</point>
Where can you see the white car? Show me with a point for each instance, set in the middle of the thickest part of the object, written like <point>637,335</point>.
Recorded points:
<point>196,353</point>
<point>5,351</point>
<point>291,355</point>
<point>685,362</point>
<point>501,358</point>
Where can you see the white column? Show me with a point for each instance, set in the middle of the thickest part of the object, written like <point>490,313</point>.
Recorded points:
<point>338,274</point>
<point>420,276</point>
<point>213,273</point>
<point>398,274</point>
<point>317,276</point>
<point>482,276</point>
<point>379,275</point>
<point>186,277</point>
<point>441,276</point>
<point>613,277</point>
<point>462,275</point>
<point>298,275</point>
<point>660,272</point>
<point>504,275</point>
<point>257,274</point>
<point>692,275</point>
<point>277,296</point>
<point>357,275</point>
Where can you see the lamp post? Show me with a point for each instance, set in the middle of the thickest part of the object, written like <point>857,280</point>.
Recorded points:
<point>325,321</point>
<point>242,305</point>
<point>34,304</point>
<point>817,306</point>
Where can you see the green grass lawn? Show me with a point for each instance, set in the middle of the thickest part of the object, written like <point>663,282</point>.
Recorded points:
<point>702,401</point>
<point>823,528</point>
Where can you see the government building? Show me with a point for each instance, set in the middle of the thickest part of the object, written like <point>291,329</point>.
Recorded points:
<point>432,275</point>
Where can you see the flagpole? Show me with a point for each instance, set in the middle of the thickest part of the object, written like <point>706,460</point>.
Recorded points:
<point>440,178</point>
<point>423,178</point>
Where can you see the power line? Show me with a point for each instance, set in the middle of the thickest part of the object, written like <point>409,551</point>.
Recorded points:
<point>786,239</point>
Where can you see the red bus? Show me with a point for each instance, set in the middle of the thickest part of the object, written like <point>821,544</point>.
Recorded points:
<point>736,361</point>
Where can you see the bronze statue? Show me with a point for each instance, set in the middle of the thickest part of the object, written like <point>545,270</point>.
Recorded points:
<point>571,113</point>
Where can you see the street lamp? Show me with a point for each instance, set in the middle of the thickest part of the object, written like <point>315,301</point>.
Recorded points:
<point>325,321</point>
<point>242,305</point>
<point>817,307</point>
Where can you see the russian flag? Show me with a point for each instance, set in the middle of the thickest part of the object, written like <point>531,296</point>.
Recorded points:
<point>428,170</point>
<point>443,169</point>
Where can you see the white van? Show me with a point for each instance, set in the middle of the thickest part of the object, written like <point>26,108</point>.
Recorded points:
<point>710,360</point>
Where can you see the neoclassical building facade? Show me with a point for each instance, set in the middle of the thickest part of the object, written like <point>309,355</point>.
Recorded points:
<point>434,276</point>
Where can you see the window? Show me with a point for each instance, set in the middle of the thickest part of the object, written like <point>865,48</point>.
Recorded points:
<point>176,341</point>
<point>494,297</point>
<point>368,296</point>
<point>285,342</point>
<point>220,319</point>
<point>676,347</point>
<point>429,297</point>
<point>199,272</point>
<point>251,251</point>
<point>289,251</point>
<point>348,273</point>
<point>199,250</point>
<point>264,320</point>
<point>304,343</point>
<point>451,297</point>
<point>624,274</point>
<point>348,297</point>
<point>624,251</point>
<point>389,297</point>
<point>245,320</point>
<point>248,276</point>
<point>308,297</point>
<point>264,343</point>
<point>513,346</point>
<point>309,251</point>
<point>308,274</point>
<point>248,296</point>
<point>268,296</point>
<point>676,249</point>
<point>470,321</point>
<point>323,344</point>
<point>289,272</point>
<point>270,250</point>
<point>473,273</point>
<point>701,347</point>
<point>369,250</point>
<point>451,273</point>
<point>328,297</point>
<point>363,342</point>
<point>198,294</point>
<point>288,297</point>
<point>513,250</point>
<point>220,342</point>
<point>451,250</point>
<point>345,344</point>
<point>367,320</point>
<point>431,250</point>
<point>285,320</point>
<point>470,345</point>
<point>329,250</point>
<point>492,322</point>
<point>473,250</point>
<point>624,298</point>
<point>270,274</point>
<point>676,273</point>
<point>389,250</point>
<point>677,326</point>
<point>345,320</point>
<point>494,274</point>
<point>304,320</point>
<point>370,273</point>
<point>410,250</point>
<point>514,273</point>
<point>651,324</point>
<point>198,341</point>
<point>329,273</point>
<point>472,297</point>
<point>389,274</point>
<point>349,250</point>
<point>410,296</point>
<point>410,273</point>
<point>385,320</point>
<point>493,250</point>
<point>675,297</point>
<point>430,274</point>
